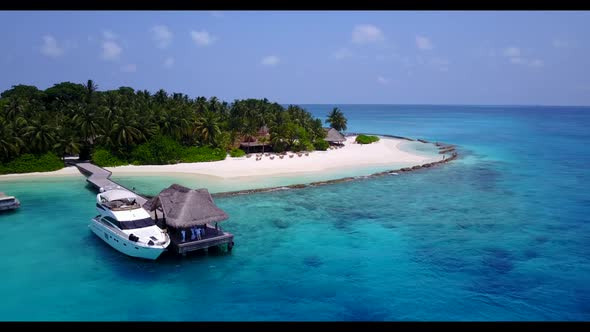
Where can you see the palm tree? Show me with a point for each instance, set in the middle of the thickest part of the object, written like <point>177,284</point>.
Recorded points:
<point>87,123</point>
<point>336,119</point>
<point>90,88</point>
<point>14,108</point>
<point>10,143</point>
<point>125,131</point>
<point>40,135</point>
<point>263,140</point>
<point>173,124</point>
<point>67,142</point>
<point>207,127</point>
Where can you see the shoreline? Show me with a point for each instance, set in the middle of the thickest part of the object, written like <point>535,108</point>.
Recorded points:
<point>454,156</point>
<point>387,152</point>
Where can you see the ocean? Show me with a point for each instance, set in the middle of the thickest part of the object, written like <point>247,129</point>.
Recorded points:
<point>501,234</point>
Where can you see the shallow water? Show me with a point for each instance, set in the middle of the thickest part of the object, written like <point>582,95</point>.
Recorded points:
<point>501,234</point>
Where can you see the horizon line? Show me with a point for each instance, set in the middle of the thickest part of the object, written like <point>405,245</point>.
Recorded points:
<point>428,104</point>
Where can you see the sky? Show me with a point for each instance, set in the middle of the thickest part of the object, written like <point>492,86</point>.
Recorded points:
<point>309,57</point>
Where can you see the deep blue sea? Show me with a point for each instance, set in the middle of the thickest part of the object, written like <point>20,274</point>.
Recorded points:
<point>503,233</point>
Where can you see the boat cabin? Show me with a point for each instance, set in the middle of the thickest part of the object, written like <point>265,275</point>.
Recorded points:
<point>118,200</point>
<point>8,202</point>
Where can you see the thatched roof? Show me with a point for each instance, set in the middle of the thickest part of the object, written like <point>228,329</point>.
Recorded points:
<point>184,207</point>
<point>333,135</point>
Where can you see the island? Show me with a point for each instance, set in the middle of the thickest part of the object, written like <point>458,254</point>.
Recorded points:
<point>135,132</point>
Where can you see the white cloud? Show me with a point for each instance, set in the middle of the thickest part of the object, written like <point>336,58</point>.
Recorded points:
<point>129,68</point>
<point>516,57</point>
<point>162,36</point>
<point>559,43</point>
<point>217,14</point>
<point>527,62</point>
<point>111,50</point>
<point>439,62</point>
<point>271,60</point>
<point>512,51</point>
<point>50,47</point>
<point>169,62</point>
<point>342,53</point>
<point>536,63</point>
<point>424,43</point>
<point>383,80</point>
<point>108,34</point>
<point>366,33</point>
<point>202,38</point>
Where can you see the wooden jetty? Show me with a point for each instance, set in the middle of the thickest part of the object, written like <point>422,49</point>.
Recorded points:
<point>99,178</point>
<point>181,209</point>
<point>212,238</point>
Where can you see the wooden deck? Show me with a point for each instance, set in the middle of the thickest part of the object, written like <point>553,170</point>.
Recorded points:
<point>212,239</point>
<point>100,178</point>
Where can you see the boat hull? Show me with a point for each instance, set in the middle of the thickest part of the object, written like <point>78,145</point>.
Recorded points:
<point>12,206</point>
<point>125,245</point>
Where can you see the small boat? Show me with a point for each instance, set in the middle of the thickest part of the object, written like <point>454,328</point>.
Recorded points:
<point>8,202</point>
<point>126,226</point>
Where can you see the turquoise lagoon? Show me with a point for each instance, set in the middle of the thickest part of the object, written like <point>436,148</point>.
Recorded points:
<point>503,233</point>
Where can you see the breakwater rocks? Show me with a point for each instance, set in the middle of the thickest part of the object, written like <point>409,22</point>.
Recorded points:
<point>447,148</point>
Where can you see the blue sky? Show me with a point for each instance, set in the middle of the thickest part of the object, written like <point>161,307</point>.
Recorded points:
<point>398,57</point>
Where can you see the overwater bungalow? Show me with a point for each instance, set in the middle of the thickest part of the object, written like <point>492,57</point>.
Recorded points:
<point>8,202</point>
<point>334,137</point>
<point>191,218</point>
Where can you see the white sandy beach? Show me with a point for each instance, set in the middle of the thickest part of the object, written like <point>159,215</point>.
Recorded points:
<point>352,155</point>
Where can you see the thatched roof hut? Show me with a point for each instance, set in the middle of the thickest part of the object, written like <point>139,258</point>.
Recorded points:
<point>184,207</point>
<point>334,136</point>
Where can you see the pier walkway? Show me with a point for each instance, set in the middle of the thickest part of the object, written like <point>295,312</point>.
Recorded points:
<point>100,178</point>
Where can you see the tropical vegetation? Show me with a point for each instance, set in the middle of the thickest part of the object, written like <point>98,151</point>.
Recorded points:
<point>127,126</point>
<point>337,120</point>
<point>366,139</point>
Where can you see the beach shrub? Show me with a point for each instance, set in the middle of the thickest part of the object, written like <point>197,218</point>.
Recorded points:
<point>195,154</point>
<point>235,152</point>
<point>366,139</point>
<point>28,163</point>
<point>302,145</point>
<point>321,145</point>
<point>160,150</point>
<point>279,146</point>
<point>104,158</point>
<point>307,146</point>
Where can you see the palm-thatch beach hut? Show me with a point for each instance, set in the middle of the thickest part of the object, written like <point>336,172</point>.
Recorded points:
<point>191,218</point>
<point>334,137</point>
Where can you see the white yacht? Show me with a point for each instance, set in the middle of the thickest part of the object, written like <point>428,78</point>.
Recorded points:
<point>126,226</point>
<point>8,202</point>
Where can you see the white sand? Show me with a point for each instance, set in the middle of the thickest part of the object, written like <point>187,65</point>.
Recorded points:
<point>381,153</point>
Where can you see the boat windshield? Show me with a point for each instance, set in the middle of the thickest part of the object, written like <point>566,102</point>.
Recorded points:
<point>140,223</point>
<point>9,200</point>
